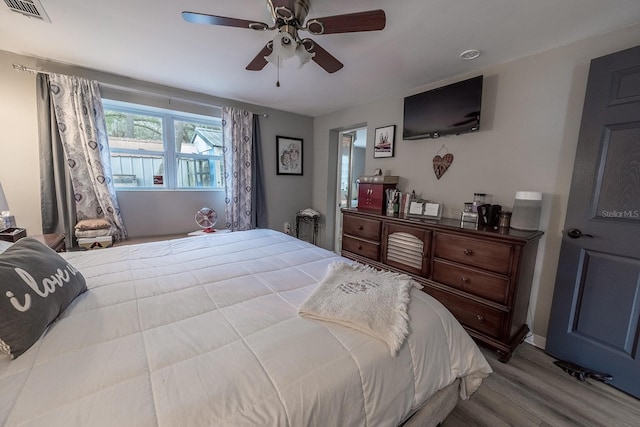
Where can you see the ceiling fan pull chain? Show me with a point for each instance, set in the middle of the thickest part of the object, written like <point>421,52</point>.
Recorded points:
<point>278,71</point>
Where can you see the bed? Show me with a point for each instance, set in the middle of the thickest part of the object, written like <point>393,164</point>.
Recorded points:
<point>205,331</point>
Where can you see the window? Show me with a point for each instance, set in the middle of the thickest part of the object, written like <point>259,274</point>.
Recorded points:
<point>155,148</point>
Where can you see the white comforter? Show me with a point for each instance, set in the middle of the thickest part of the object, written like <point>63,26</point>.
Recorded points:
<point>204,331</point>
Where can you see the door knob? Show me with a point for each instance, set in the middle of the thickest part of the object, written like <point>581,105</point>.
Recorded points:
<point>574,233</point>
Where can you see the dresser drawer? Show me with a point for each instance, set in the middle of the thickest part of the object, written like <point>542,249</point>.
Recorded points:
<point>475,282</point>
<point>361,247</point>
<point>362,227</point>
<point>476,253</point>
<point>470,313</point>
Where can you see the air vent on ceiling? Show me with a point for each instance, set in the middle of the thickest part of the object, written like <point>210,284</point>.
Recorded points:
<point>30,8</point>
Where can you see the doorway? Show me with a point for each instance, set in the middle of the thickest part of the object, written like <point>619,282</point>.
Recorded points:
<point>351,160</point>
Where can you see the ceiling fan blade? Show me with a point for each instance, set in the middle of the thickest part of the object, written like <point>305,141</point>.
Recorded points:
<point>258,63</point>
<point>371,20</point>
<point>201,18</point>
<point>322,57</point>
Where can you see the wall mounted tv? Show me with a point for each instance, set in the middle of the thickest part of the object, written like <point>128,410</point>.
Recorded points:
<point>447,110</point>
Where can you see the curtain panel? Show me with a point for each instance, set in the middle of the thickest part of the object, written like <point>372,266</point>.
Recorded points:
<point>245,206</point>
<point>82,129</point>
<point>259,202</point>
<point>57,203</point>
<point>237,132</point>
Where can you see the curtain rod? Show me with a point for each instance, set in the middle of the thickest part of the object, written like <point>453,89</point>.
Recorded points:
<point>20,67</point>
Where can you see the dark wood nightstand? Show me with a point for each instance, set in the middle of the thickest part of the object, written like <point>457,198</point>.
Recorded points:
<point>54,240</point>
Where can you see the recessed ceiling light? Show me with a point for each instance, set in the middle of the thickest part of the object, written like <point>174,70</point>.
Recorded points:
<point>470,54</point>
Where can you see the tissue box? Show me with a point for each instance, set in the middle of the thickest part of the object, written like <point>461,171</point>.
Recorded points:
<point>12,234</point>
<point>7,221</point>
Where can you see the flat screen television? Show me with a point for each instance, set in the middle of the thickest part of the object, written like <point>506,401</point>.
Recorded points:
<point>447,110</point>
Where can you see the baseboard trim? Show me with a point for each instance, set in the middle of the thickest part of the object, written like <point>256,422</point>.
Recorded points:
<point>537,340</point>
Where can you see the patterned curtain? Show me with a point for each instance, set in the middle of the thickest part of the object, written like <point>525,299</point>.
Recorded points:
<point>82,127</point>
<point>237,131</point>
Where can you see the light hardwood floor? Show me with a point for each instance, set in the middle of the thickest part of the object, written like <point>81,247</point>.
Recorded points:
<point>531,391</point>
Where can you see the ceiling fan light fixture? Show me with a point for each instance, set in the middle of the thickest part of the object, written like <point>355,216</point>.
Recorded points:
<point>303,54</point>
<point>284,47</point>
<point>470,54</point>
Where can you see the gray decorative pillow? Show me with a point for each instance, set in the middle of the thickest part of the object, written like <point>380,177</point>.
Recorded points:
<point>36,285</point>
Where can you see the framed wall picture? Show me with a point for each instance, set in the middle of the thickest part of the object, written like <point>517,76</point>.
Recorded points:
<point>383,143</point>
<point>289,152</point>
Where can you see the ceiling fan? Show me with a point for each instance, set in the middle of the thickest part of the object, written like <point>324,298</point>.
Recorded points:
<point>288,18</point>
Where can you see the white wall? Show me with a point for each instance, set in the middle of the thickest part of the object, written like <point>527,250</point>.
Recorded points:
<point>530,120</point>
<point>19,164</point>
<point>144,212</point>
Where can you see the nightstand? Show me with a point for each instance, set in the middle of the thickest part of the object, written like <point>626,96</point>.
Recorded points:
<point>54,240</point>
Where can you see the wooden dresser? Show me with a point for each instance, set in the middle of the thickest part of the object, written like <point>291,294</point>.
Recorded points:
<point>482,276</point>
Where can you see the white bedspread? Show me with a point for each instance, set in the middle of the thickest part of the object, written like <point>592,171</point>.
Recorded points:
<point>205,331</point>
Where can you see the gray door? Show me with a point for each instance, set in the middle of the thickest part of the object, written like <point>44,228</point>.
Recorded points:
<point>595,314</point>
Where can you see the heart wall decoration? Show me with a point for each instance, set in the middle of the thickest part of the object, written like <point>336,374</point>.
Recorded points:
<point>442,163</point>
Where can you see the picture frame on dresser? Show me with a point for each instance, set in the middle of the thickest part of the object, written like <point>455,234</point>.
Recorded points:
<point>384,141</point>
<point>289,155</point>
<point>425,209</point>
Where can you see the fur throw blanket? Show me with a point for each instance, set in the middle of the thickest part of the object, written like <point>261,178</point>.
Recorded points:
<point>371,301</point>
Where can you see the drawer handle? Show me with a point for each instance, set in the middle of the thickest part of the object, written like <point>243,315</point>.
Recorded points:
<point>480,318</point>
<point>360,228</point>
<point>359,247</point>
<point>468,252</point>
<point>464,279</point>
